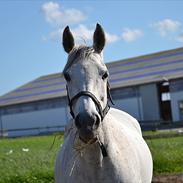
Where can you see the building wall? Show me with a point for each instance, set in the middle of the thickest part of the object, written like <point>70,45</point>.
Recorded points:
<point>129,105</point>
<point>141,102</point>
<point>176,95</point>
<point>37,118</point>
<point>150,102</point>
<point>128,100</point>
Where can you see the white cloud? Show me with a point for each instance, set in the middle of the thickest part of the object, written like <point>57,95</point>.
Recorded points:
<point>166,26</point>
<point>111,38</point>
<point>81,33</point>
<point>53,36</point>
<point>59,16</point>
<point>180,38</point>
<point>56,15</point>
<point>130,35</point>
<point>87,34</point>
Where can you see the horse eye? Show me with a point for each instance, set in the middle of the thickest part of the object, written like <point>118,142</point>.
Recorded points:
<point>67,77</point>
<point>105,75</point>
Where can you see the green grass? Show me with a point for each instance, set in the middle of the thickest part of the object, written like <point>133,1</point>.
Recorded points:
<point>37,165</point>
<point>34,166</point>
<point>167,155</point>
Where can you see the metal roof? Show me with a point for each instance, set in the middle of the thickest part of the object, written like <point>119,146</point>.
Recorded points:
<point>165,65</point>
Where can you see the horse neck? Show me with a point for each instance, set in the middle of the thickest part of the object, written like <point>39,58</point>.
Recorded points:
<point>92,155</point>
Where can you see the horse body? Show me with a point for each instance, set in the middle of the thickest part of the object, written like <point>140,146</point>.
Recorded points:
<point>127,160</point>
<point>100,144</point>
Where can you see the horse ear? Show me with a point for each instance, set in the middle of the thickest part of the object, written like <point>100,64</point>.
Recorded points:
<point>98,38</point>
<point>67,40</point>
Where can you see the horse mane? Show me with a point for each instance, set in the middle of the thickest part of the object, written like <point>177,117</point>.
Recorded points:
<point>80,52</point>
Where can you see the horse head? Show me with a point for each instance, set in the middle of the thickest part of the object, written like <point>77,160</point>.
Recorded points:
<point>87,83</point>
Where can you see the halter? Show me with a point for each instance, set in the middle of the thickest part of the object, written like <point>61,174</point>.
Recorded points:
<point>101,111</point>
<point>98,105</point>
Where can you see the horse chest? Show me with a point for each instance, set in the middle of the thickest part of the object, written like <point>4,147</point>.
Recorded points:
<point>108,170</point>
<point>95,172</point>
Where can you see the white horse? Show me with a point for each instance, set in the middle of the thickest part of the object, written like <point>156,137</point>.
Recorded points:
<point>101,145</point>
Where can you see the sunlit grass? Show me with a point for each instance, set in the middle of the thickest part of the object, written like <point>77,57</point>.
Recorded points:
<point>167,154</point>
<point>35,164</point>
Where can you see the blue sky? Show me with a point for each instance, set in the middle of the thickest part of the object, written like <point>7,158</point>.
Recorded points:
<point>30,35</point>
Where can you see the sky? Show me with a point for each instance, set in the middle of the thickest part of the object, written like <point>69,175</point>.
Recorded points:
<point>31,33</point>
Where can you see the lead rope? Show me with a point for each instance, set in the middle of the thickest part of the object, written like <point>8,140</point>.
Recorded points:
<point>102,147</point>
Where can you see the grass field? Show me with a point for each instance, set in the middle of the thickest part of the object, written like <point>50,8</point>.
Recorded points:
<point>167,155</point>
<point>30,159</point>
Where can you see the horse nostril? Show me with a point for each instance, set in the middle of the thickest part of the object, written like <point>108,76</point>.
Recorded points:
<point>77,122</point>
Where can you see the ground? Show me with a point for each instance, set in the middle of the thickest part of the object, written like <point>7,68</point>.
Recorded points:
<point>178,178</point>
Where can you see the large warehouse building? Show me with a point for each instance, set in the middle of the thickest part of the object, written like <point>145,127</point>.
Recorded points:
<point>149,87</point>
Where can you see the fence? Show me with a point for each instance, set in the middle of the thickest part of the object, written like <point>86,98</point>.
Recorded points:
<point>31,131</point>
<point>145,125</point>
<point>160,125</point>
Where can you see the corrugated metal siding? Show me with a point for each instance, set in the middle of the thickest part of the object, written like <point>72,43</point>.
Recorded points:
<point>140,70</point>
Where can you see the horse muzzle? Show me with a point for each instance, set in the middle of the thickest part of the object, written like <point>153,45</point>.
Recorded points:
<point>87,125</point>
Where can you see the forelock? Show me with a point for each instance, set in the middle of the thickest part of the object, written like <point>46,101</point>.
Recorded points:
<point>77,53</point>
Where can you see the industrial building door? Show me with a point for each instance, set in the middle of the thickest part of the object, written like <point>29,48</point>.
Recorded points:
<point>164,101</point>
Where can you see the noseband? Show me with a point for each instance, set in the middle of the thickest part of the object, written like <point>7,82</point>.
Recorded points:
<point>101,111</point>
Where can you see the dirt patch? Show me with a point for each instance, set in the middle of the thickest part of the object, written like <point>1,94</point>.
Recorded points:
<point>168,179</point>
